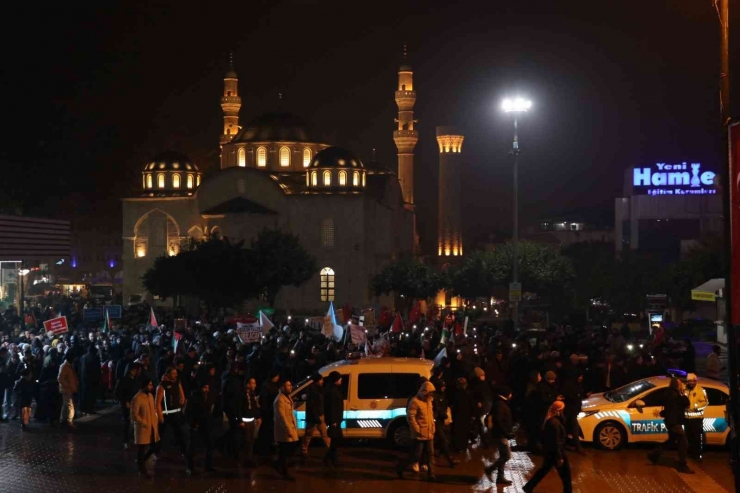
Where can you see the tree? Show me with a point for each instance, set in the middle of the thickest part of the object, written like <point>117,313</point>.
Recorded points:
<point>277,259</point>
<point>703,262</point>
<point>542,270</point>
<point>594,267</point>
<point>215,271</point>
<point>408,279</point>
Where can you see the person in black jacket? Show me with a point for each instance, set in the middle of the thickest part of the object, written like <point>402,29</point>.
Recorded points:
<point>314,413</point>
<point>126,389</point>
<point>573,395</point>
<point>268,394</point>
<point>333,413</point>
<point>198,416</point>
<point>502,430</point>
<point>553,438</point>
<point>440,416</point>
<point>90,376</point>
<point>673,416</point>
<point>461,416</point>
<point>250,420</point>
<point>25,389</point>
<point>233,393</point>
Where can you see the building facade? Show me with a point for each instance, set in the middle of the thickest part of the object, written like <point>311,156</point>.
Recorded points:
<point>352,217</point>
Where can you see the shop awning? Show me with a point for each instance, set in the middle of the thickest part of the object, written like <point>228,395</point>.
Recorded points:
<point>709,291</point>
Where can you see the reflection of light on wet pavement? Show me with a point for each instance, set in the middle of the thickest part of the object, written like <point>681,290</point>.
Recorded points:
<point>519,468</point>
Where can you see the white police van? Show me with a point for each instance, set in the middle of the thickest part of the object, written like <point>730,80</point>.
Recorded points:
<point>376,391</point>
<point>632,414</point>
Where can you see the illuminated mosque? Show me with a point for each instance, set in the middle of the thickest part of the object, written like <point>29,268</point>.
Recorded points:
<point>353,216</point>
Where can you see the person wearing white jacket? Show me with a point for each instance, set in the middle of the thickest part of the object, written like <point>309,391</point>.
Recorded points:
<point>286,429</point>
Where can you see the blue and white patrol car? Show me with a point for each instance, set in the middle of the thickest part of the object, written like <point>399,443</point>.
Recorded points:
<point>376,392</point>
<point>632,414</point>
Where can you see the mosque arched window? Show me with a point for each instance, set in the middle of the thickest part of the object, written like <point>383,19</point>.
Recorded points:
<point>160,181</point>
<point>327,178</point>
<point>190,181</point>
<point>149,183</point>
<point>261,157</point>
<point>342,178</point>
<point>314,178</point>
<point>308,179</point>
<point>176,180</point>
<point>306,157</point>
<point>242,157</point>
<point>356,179</point>
<point>143,181</point>
<point>327,284</point>
<point>198,181</point>
<point>363,180</point>
<point>284,157</point>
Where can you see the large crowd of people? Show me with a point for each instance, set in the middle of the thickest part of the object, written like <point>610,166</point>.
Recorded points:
<point>212,393</point>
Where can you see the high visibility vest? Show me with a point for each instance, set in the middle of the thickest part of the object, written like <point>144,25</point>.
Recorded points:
<point>697,402</point>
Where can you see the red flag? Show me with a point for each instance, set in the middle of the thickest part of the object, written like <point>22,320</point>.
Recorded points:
<point>29,320</point>
<point>415,314</point>
<point>397,324</point>
<point>347,312</point>
<point>385,317</point>
<point>152,319</point>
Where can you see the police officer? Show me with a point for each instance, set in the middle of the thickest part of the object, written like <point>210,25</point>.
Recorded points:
<point>673,414</point>
<point>695,416</point>
<point>170,403</point>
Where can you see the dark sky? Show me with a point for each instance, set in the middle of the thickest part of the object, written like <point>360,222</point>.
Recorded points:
<point>90,91</point>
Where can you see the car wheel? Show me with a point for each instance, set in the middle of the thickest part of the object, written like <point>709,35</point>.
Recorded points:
<point>610,436</point>
<point>399,434</point>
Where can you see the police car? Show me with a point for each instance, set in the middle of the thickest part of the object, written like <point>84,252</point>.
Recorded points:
<point>632,414</point>
<point>376,392</point>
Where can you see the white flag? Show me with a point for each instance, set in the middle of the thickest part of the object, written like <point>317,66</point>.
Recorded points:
<point>265,323</point>
<point>442,354</point>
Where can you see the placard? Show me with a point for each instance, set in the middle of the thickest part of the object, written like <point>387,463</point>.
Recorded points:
<point>56,326</point>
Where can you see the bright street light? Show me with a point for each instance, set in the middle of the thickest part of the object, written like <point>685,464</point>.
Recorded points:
<point>517,105</point>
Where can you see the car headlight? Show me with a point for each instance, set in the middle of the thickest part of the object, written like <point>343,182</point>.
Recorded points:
<point>582,415</point>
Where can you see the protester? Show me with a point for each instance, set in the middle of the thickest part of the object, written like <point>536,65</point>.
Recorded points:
<point>334,414</point>
<point>251,421</point>
<point>68,385</point>
<point>420,416</point>
<point>170,403</point>
<point>25,389</point>
<point>502,430</point>
<point>286,429</point>
<point>126,388</point>
<point>553,438</point>
<point>315,419</point>
<point>146,425</point>
<point>673,412</point>
<point>198,416</point>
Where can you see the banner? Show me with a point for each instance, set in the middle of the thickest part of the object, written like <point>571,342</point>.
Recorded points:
<point>114,311</point>
<point>56,326</point>
<point>734,189</point>
<point>92,314</point>
<point>357,334</point>
<point>249,333</point>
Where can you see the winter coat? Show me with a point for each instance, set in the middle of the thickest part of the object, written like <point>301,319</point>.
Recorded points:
<point>333,410</point>
<point>126,389</point>
<point>420,414</point>
<point>68,382</point>
<point>286,429</point>
<point>553,437</point>
<point>502,423</point>
<point>25,390</point>
<point>674,408</point>
<point>314,403</point>
<point>144,418</point>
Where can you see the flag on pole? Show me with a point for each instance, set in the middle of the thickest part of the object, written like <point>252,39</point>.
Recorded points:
<point>440,355</point>
<point>330,328</point>
<point>106,323</point>
<point>176,336</point>
<point>415,314</point>
<point>265,323</point>
<point>397,324</point>
<point>152,320</point>
<point>423,356</point>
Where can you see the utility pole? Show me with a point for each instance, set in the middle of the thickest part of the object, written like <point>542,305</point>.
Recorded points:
<point>727,191</point>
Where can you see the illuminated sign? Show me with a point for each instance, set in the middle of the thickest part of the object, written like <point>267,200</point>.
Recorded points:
<point>675,179</point>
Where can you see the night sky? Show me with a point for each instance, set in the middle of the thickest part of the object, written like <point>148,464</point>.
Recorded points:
<point>91,91</point>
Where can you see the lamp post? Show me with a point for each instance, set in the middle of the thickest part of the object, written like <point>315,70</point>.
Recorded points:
<point>516,107</point>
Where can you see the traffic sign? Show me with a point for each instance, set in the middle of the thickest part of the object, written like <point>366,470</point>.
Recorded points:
<point>515,291</point>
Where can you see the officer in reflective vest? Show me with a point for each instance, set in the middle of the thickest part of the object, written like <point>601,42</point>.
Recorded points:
<point>170,403</point>
<point>695,416</point>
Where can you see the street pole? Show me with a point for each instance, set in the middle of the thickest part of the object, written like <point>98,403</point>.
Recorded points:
<point>727,180</point>
<point>515,266</point>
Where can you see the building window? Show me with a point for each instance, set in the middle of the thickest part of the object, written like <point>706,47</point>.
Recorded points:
<point>176,180</point>
<point>356,179</point>
<point>149,181</point>
<point>284,157</point>
<point>242,157</point>
<point>363,180</point>
<point>327,284</point>
<point>327,178</point>
<point>306,157</point>
<point>342,178</point>
<point>198,182</point>
<point>314,178</point>
<point>190,181</point>
<point>160,181</point>
<point>327,232</point>
<point>261,157</point>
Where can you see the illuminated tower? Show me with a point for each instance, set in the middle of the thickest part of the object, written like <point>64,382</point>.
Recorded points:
<point>405,136</point>
<point>230,103</point>
<point>449,235</point>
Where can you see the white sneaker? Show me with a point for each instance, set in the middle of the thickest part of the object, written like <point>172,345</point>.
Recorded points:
<point>415,467</point>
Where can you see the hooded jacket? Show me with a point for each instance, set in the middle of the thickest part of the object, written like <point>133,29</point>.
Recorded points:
<point>420,414</point>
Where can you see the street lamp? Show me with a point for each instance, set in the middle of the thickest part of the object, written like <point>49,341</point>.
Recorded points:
<point>516,106</point>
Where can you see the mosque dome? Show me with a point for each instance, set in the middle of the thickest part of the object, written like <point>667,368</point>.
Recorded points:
<point>170,173</point>
<point>336,157</point>
<point>274,127</point>
<point>336,170</point>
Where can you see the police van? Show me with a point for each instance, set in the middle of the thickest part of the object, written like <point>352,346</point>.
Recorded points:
<point>376,391</point>
<point>632,414</point>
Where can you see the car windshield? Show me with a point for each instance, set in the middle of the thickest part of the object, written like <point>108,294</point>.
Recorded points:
<point>628,391</point>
